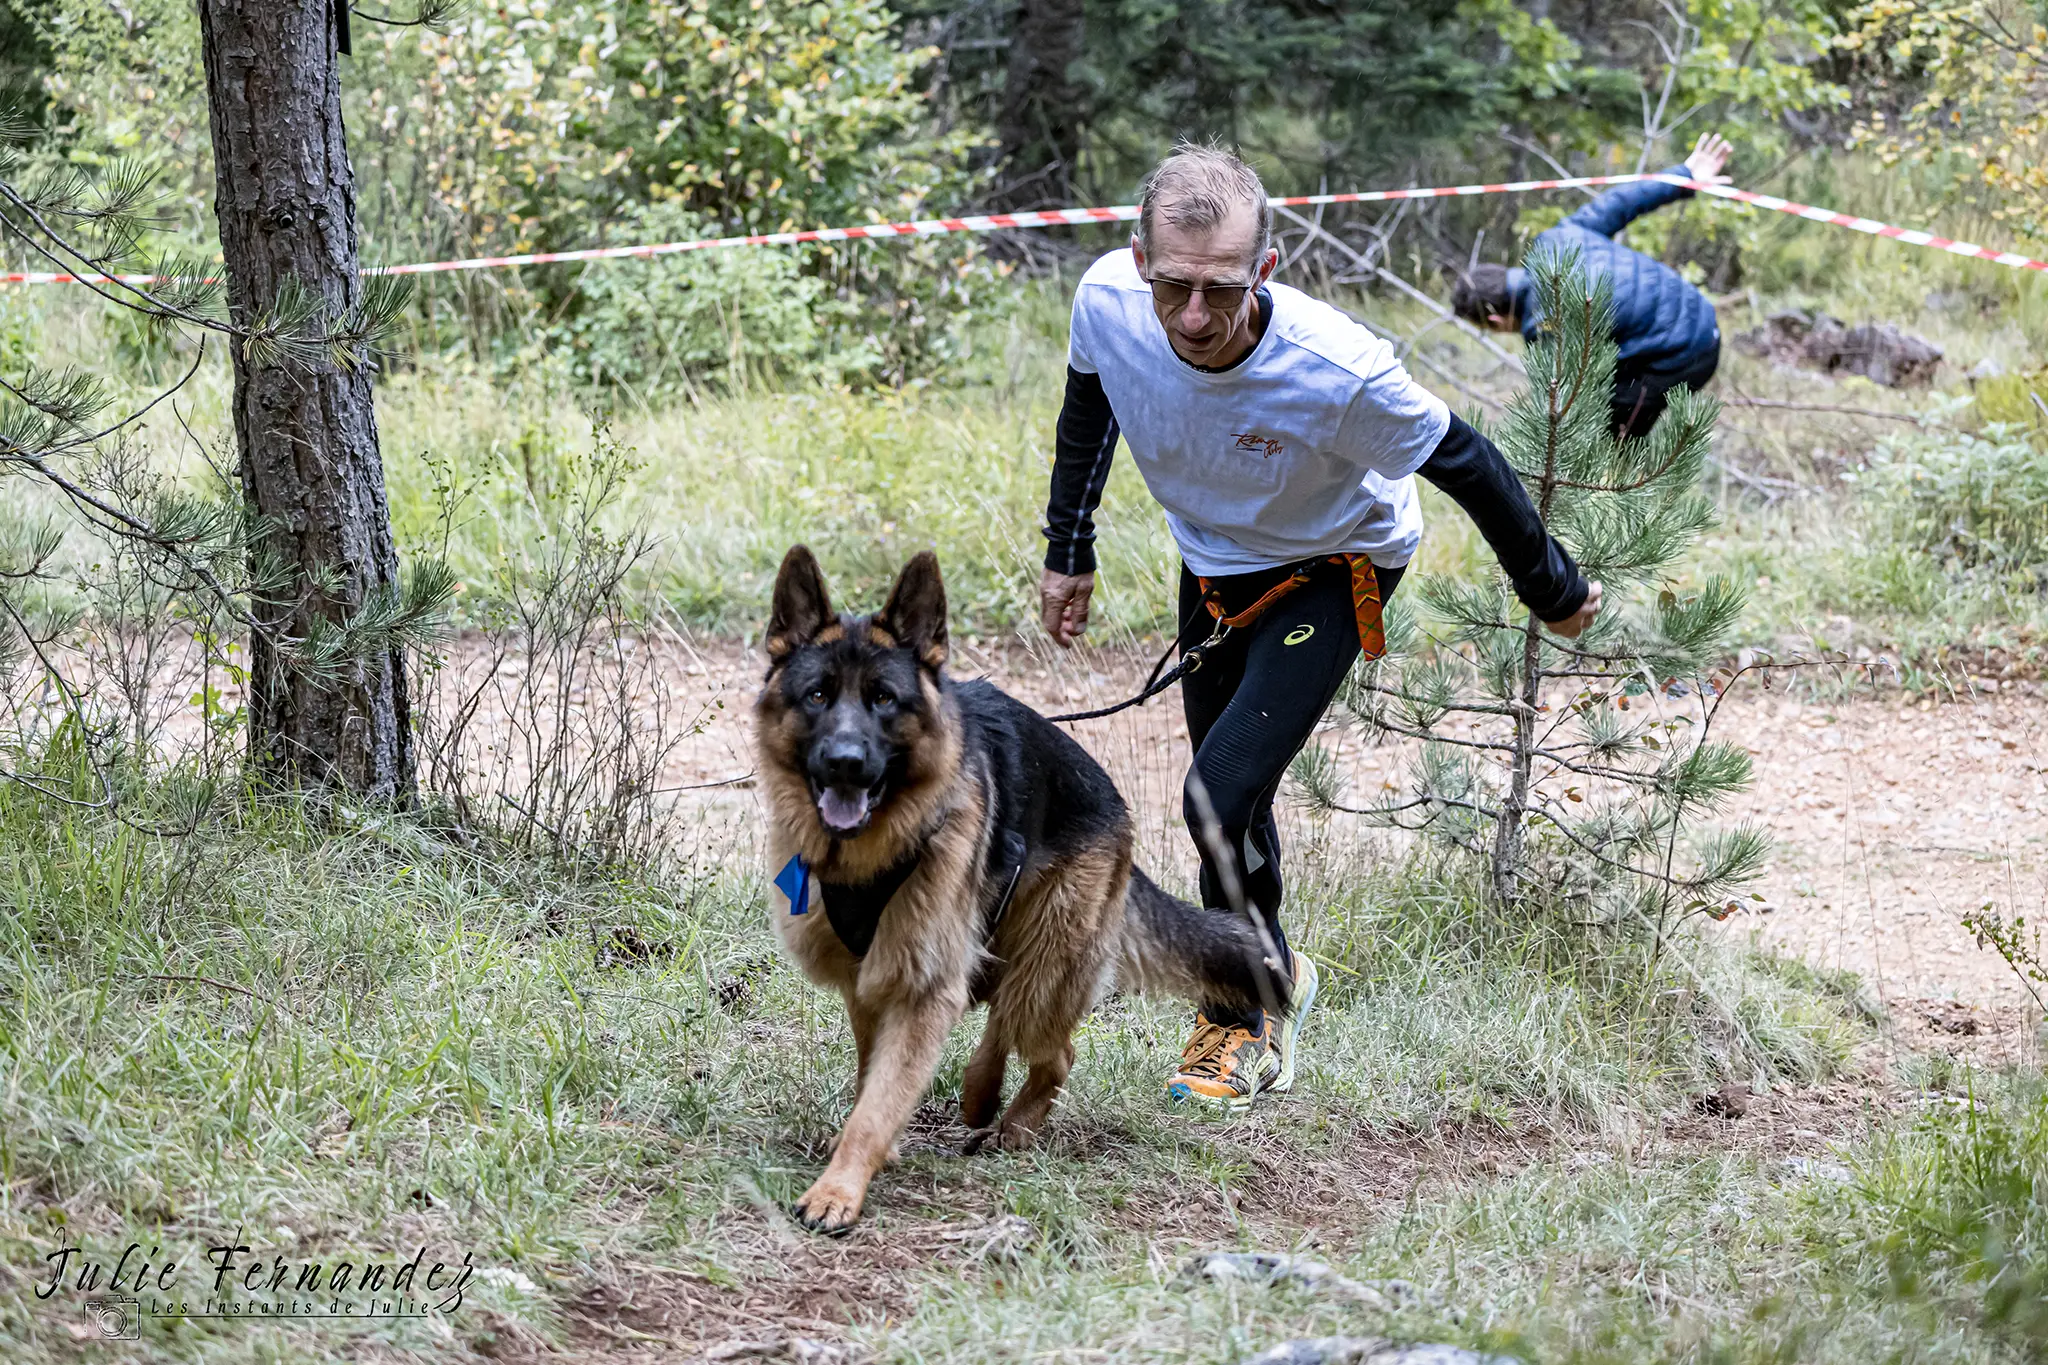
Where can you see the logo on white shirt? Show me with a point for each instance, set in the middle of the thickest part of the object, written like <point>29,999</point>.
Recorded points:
<point>1268,446</point>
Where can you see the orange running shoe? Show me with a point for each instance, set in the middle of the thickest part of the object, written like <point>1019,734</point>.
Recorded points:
<point>1223,1067</point>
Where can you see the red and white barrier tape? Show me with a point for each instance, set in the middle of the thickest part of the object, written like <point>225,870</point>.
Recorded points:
<point>994,222</point>
<point>1910,236</point>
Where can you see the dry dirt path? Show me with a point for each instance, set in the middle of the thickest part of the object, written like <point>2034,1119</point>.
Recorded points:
<point>1891,819</point>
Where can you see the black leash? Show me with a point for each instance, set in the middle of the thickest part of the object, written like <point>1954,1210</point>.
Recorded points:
<point>1192,660</point>
<point>1154,683</point>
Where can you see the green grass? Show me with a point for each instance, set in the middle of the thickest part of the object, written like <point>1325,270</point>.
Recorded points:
<point>867,480</point>
<point>1705,1257</point>
<point>400,1042</point>
<point>1900,564</point>
<point>730,486</point>
<point>374,1039</point>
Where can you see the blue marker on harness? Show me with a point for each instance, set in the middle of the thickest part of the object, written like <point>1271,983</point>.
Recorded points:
<point>794,881</point>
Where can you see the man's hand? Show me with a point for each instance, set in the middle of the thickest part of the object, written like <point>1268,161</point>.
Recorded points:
<point>1063,605</point>
<point>1709,155</point>
<point>1574,625</point>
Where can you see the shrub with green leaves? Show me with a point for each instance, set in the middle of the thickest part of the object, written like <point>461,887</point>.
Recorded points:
<point>666,325</point>
<point>1972,501</point>
<point>125,81</point>
<point>537,126</point>
<point>1577,768</point>
<point>533,125</point>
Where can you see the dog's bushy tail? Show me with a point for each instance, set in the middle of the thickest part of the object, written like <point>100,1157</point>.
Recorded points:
<point>1207,956</point>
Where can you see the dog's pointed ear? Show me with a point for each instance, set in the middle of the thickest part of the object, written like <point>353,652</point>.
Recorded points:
<point>916,611</point>
<point>801,607</point>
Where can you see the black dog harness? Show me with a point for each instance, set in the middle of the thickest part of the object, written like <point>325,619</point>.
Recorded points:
<point>854,909</point>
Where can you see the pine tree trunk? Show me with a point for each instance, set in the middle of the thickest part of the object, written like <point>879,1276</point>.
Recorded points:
<point>1039,127</point>
<point>307,432</point>
<point>1509,831</point>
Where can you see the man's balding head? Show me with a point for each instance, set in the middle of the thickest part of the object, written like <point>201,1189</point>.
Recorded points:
<point>1199,189</point>
<point>1204,244</point>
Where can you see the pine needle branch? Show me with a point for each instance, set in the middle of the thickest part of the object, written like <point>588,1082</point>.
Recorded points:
<point>430,14</point>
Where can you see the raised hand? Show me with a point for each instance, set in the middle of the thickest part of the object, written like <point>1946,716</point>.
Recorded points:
<point>1709,155</point>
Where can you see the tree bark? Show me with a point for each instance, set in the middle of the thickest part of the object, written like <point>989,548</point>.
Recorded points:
<point>307,432</point>
<point>1039,127</point>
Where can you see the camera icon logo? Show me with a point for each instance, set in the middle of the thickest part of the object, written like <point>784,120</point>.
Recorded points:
<point>113,1319</point>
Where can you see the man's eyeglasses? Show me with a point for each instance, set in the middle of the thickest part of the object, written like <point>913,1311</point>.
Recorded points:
<point>1220,298</point>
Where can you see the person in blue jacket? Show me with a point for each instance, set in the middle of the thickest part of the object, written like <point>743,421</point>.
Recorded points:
<point>1664,328</point>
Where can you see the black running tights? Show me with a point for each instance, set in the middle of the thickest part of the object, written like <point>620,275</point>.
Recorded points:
<point>1251,707</point>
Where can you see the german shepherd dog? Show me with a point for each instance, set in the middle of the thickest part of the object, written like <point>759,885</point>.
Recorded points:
<point>940,845</point>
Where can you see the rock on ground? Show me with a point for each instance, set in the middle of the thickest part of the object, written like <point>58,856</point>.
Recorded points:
<point>1878,351</point>
<point>1270,1268</point>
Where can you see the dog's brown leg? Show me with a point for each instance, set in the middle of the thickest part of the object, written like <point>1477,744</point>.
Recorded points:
<point>1057,940</point>
<point>1028,1112</point>
<point>906,1053</point>
<point>862,1020</point>
<point>981,1089</point>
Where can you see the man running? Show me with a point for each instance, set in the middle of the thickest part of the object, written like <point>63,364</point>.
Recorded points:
<point>1665,329</point>
<point>1280,437</point>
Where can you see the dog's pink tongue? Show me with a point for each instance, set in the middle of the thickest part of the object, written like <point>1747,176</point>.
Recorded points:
<point>840,810</point>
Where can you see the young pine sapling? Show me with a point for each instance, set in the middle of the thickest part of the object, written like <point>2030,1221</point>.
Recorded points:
<point>1578,769</point>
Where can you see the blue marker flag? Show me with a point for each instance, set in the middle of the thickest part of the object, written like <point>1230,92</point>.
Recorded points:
<point>794,881</point>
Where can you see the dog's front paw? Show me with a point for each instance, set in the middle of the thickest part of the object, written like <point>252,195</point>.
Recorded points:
<point>976,1140</point>
<point>831,1205</point>
<point>1018,1138</point>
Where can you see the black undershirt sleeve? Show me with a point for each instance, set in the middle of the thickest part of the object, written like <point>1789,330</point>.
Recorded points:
<point>1083,446</point>
<point>1476,476</point>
